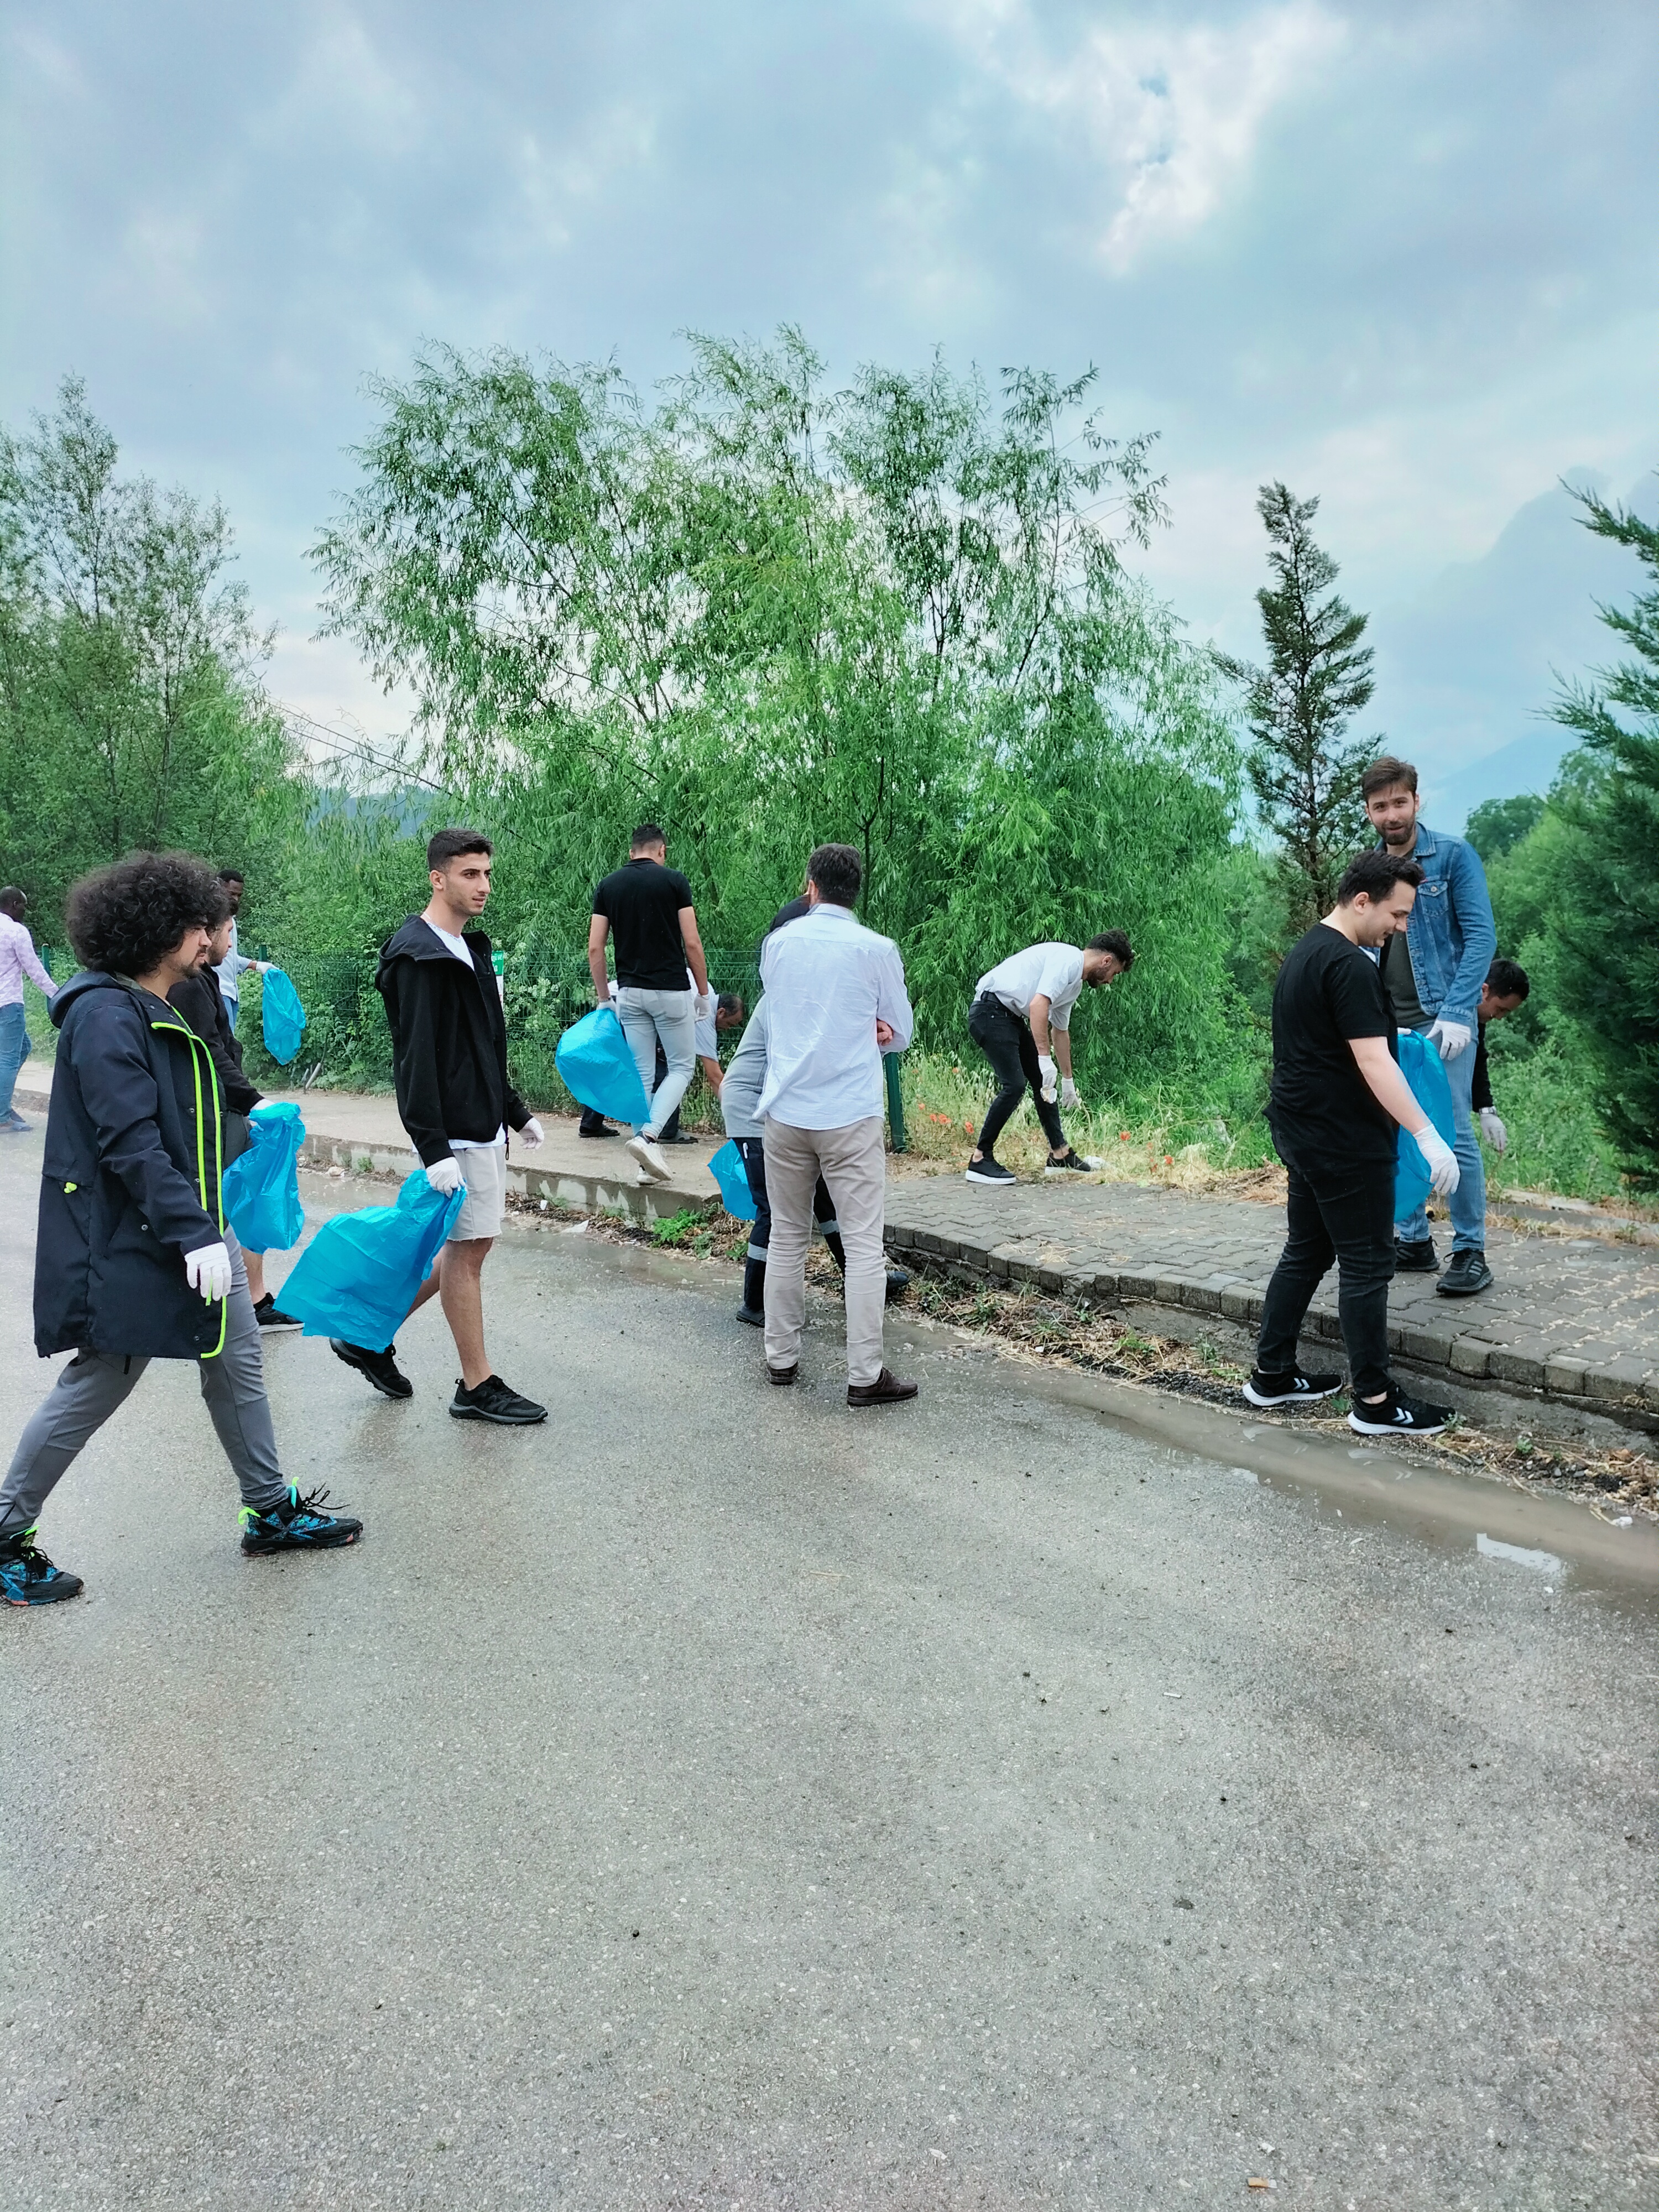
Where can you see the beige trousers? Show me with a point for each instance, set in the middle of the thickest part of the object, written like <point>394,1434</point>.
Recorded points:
<point>852,1161</point>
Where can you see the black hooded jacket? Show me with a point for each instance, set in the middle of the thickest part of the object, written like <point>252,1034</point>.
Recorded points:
<point>201,1002</point>
<point>130,1180</point>
<point>448,1041</point>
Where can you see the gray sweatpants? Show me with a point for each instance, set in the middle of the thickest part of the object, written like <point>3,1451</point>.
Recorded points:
<point>94,1383</point>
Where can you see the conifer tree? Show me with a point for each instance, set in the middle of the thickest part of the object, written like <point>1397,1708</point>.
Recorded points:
<point>1317,678</point>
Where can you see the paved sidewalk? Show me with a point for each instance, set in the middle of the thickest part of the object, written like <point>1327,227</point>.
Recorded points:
<point>1576,1320</point>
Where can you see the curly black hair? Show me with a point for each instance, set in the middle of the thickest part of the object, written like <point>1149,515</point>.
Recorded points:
<point>124,919</point>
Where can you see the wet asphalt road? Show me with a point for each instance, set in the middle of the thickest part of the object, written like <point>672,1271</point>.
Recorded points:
<point>717,1798</point>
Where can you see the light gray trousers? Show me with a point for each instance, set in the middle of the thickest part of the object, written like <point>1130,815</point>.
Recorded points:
<point>645,1017</point>
<point>852,1162</point>
<point>94,1383</point>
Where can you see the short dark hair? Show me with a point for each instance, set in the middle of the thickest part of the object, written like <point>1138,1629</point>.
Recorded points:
<point>838,873</point>
<point>124,919</point>
<point>232,876</point>
<point>1115,942</point>
<point>649,833</point>
<point>729,1002</point>
<point>791,910</point>
<point>1383,774</point>
<point>13,901</point>
<point>449,845</point>
<point>1505,979</point>
<point>1376,873</point>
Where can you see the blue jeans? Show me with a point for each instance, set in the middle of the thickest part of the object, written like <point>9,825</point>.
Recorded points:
<point>13,1051</point>
<point>1468,1203</point>
<point>647,1017</point>
<point>230,1010</point>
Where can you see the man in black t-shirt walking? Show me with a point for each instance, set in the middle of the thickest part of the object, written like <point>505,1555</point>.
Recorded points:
<point>1338,1098</point>
<point>646,907</point>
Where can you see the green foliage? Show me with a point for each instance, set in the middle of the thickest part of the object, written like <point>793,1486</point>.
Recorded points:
<point>1605,916</point>
<point>1497,825</point>
<point>129,708</point>
<point>1317,677</point>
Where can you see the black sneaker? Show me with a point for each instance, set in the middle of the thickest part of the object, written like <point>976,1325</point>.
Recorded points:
<point>898,1282</point>
<point>28,1575</point>
<point>298,1524</point>
<point>754,1319</point>
<point>604,1129</point>
<point>1295,1388</point>
<point>1398,1416</point>
<point>1071,1163</point>
<point>1466,1274</point>
<point>991,1171</point>
<point>381,1367</point>
<point>492,1400</point>
<point>1417,1258</point>
<point>269,1315</point>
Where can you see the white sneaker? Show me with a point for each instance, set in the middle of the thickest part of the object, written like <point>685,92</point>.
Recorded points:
<point>651,1161</point>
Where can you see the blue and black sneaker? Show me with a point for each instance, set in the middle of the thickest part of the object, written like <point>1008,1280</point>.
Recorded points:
<point>28,1575</point>
<point>298,1524</point>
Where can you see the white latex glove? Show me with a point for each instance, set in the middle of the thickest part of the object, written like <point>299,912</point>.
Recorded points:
<point>207,1269</point>
<point>1443,1171</point>
<point>1050,1075</point>
<point>1068,1092</point>
<point>1451,1037</point>
<point>445,1174</point>
<point>532,1134</point>
<point>704,1007</point>
<point>1492,1129</point>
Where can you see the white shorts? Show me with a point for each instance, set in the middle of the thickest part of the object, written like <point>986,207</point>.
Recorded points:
<point>484,1170</point>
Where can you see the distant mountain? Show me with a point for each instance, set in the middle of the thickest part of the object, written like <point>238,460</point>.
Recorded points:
<point>1467,670</point>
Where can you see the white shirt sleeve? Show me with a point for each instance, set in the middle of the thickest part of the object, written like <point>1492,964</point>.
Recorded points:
<point>1062,981</point>
<point>892,1001</point>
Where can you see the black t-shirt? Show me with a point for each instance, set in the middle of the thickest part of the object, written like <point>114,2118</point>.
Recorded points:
<point>1321,1105</point>
<point>642,902</point>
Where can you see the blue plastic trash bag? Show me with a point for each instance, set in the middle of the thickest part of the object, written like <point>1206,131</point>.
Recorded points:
<point>729,1172</point>
<point>1421,1065</point>
<point>283,1017</point>
<point>596,1067</point>
<point>358,1276</point>
<point>262,1187</point>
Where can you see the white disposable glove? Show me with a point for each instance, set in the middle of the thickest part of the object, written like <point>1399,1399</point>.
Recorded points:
<point>1451,1037</point>
<point>445,1174</point>
<point>1492,1129</point>
<point>704,1008</point>
<point>532,1134</point>
<point>207,1269</point>
<point>1068,1092</point>
<point>1050,1075</point>
<point>1443,1171</point>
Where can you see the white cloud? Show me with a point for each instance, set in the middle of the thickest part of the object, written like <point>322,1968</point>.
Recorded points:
<point>1171,115</point>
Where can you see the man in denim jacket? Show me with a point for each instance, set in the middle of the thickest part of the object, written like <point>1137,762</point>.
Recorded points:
<point>1434,974</point>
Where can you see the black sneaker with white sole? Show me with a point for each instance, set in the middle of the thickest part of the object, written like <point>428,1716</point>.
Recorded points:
<point>1467,1274</point>
<point>1295,1388</point>
<point>1398,1416</point>
<point>492,1400</point>
<point>269,1315</point>
<point>1071,1163</point>
<point>381,1369</point>
<point>990,1171</point>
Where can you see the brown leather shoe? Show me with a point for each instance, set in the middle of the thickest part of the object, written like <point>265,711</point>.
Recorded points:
<point>887,1389</point>
<point>782,1374</point>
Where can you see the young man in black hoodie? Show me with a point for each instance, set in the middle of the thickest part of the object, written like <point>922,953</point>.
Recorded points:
<point>133,1261</point>
<point>449,1057</point>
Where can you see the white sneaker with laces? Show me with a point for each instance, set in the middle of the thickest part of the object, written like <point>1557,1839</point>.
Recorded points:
<point>651,1161</point>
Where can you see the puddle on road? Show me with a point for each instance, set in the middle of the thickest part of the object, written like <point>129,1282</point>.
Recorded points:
<point>1541,1563</point>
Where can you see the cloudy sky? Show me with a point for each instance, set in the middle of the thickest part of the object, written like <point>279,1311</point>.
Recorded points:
<point>1401,255</point>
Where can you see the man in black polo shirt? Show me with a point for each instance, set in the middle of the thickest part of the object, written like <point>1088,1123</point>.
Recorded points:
<point>1338,1098</point>
<point>647,906</point>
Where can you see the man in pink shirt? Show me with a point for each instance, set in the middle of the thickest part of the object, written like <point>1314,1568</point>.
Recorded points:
<point>18,958</point>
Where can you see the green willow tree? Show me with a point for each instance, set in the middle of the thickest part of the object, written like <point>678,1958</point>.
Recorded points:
<point>767,613</point>
<point>131,713</point>
<point>1317,678</point>
<point>1604,905</point>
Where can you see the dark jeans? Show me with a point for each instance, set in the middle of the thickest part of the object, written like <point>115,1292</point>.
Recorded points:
<point>1340,1211</point>
<point>1008,1044</point>
<point>760,1228</point>
<point>593,1124</point>
<point>671,1128</point>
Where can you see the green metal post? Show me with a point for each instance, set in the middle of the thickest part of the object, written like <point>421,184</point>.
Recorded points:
<point>895,1100</point>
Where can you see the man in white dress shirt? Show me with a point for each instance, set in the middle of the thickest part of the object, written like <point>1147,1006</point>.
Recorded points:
<point>836,996</point>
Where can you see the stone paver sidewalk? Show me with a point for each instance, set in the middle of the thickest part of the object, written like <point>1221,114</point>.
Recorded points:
<point>1576,1319</point>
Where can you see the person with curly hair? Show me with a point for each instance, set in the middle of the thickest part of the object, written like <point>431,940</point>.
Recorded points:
<point>134,1260</point>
